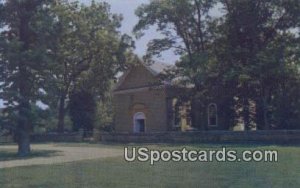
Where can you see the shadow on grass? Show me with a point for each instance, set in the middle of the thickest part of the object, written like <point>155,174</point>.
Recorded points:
<point>8,155</point>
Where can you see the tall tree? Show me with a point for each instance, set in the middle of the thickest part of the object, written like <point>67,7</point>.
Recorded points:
<point>187,27</point>
<point>90,51</point>
<point>24,61</point>
<point>248,53</point>
<point>184,25</point>
<point>257,36</point>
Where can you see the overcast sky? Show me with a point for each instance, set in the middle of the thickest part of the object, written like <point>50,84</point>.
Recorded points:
<point>127,9</point>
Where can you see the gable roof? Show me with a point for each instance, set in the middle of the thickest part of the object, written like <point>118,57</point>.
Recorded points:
<point>155,68</point>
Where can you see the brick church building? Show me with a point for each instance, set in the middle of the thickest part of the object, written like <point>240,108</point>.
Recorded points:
<point>143,103</point>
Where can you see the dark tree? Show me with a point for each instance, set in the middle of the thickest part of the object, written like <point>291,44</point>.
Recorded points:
<point>24,61</point>
<point>82,109</point>
<point>89,52</point>
<point>247,59</point>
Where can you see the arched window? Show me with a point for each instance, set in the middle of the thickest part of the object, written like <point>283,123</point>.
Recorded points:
<point>139,122</point>
<point>212,113</point>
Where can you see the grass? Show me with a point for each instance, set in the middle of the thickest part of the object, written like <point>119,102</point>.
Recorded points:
<point>115,172</point>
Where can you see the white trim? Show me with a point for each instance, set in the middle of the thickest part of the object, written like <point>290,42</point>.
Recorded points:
<point>131,90</point>
<point>138,116</point>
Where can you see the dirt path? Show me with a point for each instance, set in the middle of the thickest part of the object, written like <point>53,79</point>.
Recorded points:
<point>65,154</point>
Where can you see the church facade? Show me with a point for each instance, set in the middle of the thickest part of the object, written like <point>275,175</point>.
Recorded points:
<point>143,103</point>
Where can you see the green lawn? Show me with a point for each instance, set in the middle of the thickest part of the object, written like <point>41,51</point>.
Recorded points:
<point>115,172</point>
<point>9,154</point>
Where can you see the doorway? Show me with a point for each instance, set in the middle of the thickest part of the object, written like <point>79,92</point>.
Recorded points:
<point>139,122</point>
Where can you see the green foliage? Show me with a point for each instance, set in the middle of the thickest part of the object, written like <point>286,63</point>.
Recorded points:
<point>89,51</point>
<point>182,23</point>
<point>25,59</point>
<point>260,49</point>
<point>24,51</point>
<point>105,113</point>
<point>247,57</point>
<point>51,49</point>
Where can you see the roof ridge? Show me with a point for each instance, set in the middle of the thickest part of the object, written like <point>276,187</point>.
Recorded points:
<point>157,67</point>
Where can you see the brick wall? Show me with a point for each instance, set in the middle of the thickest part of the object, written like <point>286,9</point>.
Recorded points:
<point>57,137</point>
<point>139,76</point>
<point>151,102</point>
<point>260,137</point>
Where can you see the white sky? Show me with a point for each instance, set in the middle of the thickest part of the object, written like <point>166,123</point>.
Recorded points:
<point>127,9</point>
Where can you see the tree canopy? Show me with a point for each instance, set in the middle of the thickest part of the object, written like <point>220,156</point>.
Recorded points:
<point>90,51</point>
<point>50,50</point>
<point>24,61</point>
<point>247,58</point>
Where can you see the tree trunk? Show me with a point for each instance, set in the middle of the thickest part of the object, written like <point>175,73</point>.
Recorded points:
<point>24,85</point>
<point>246,115</point>
<point>61,114</point>
<point>265,114</point>
<point>23,143</point>
<point>24,128</point>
